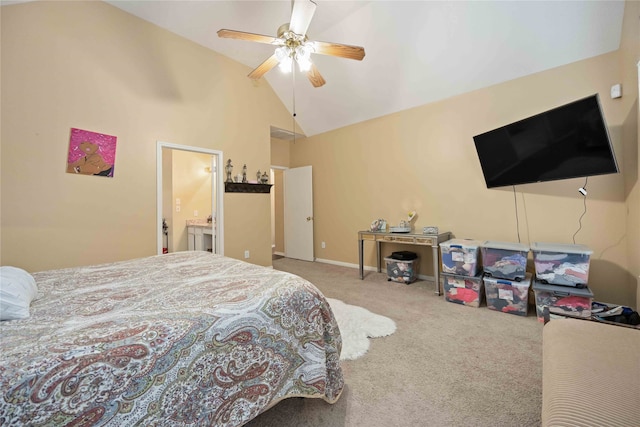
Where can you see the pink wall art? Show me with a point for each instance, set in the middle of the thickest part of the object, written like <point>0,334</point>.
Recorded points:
<point>91,153</point>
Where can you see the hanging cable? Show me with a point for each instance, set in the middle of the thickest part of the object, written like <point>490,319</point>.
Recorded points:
<point>582,191</point>
<point>515,202</point>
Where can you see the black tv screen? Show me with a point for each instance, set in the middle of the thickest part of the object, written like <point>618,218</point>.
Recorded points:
<point>570,141</point>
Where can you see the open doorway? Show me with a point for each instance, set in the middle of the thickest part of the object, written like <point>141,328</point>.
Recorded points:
<point>277,212</point>
<point>190,192</point>
<point>292,213</point>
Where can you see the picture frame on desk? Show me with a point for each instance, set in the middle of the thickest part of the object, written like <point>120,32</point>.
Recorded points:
<point>378,225</point>
<point>430,230</point>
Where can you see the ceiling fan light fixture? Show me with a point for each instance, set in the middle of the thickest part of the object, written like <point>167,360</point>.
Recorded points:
<point>303,51</point>
<point>285,65</point>
<point>304,64</point>
<point>294,51</point>
<point>293,45</point>
<point>303,57</point>
<point>282,52</point>
<point>283,55</point>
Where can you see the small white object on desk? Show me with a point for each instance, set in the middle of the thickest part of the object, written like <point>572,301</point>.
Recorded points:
<point>404,226</point>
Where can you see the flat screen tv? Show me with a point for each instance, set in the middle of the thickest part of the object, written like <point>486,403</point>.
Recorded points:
<point>569,141</point>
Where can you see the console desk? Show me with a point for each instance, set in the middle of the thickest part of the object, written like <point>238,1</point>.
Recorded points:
<point>378,237</point>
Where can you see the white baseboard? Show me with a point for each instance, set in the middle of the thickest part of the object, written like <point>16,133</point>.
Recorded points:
<point>368,268</point>
<point>342,264</point>
<point>427,278</point>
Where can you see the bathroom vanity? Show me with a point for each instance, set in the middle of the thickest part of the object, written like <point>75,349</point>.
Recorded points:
<point>200,236</point>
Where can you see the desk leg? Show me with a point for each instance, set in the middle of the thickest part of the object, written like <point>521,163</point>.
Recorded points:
<point>378,255</point>
<point>436,268</point>
<point>361,257</point>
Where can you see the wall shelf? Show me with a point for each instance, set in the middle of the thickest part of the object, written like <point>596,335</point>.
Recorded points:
<point>243,187</point>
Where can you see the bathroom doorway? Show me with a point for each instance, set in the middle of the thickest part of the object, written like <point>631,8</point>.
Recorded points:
<point>277,212</point>
<point>189,192</point>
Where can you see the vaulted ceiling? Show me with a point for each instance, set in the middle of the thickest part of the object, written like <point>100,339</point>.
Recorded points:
<point>417,52</point>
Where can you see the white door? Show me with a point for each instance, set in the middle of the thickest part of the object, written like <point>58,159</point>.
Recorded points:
<point>298,213</point>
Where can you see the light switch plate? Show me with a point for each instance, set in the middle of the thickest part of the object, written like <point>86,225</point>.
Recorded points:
<point>616,91</point>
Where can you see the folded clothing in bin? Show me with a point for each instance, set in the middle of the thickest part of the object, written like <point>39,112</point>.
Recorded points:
<point>504,260</point>
<point>562,300</point>
<point>462,289</point>
<point>561,264</point>
<point>404,255</point>
<point>508,296</point>
<point>402,271</point>
<point>460,256</point>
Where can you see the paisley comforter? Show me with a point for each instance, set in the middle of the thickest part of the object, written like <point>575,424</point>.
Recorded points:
<point>185,339</point>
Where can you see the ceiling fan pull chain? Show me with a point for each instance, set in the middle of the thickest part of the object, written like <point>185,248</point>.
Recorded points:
<point>293,124</point>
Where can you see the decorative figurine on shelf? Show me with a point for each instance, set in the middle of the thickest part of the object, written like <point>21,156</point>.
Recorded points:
<point>258,176</point>
<point>229,169</point>
<point>244,173</point>
<point>264,179</point>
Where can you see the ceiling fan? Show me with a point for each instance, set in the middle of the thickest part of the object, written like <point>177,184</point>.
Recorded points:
<point>294,46</point>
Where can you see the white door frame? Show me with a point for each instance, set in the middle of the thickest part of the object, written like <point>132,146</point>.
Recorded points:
<point>216,203</point>
<point>273,212</point>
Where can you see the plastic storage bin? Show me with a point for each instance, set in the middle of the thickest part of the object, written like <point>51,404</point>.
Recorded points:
<point>504,260</point>
<point>402,271</point>
<point>460,256</point>
<point>561,264</point>
<point>463,289</point>
<point>404,255</point>
<point>508,296</point>
<point>562,300</point>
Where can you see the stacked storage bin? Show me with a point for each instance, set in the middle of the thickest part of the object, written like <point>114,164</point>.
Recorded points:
<point>506,280</point>
<point>461,281</point>
<point>562,274</point>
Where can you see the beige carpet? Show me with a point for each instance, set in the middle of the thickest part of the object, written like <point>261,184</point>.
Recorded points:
<point>446,364</point>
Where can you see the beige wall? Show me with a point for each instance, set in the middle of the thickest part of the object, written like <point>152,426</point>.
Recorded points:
<point>630,69</point>
<point>424,159</point>
<point>280,155</point>
<point>92,66</point>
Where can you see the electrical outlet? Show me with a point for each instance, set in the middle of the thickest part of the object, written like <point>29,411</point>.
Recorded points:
<point>195,213</point>
<point>177,208</point>
<point>246,254</point>
<point>324,245</point>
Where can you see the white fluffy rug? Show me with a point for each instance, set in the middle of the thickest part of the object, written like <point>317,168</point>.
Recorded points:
<point>357,324</point>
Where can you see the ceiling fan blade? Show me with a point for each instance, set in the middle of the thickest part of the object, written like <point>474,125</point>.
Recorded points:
<point>241,35</point>
<point>301,16</point>
<point>341,50</point>
<point>271,62</point>
<point>315,77</point>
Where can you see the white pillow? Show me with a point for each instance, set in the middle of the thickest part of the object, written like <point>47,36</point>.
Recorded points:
<point>17,289</point>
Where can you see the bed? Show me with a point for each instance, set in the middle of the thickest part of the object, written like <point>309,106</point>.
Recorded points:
<point>190,338</point>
